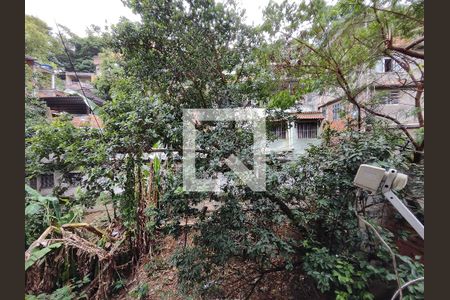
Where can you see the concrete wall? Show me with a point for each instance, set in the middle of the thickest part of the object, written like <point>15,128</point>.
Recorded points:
<point>296,146</point>
<point>403,110</point>
<point>57,177</point>
<point>378,81</point>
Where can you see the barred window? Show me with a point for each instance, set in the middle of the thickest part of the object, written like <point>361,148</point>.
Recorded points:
<point>392,97</point>
<point>279,130</point>
<point>307,130</point>
<point>47,181</point>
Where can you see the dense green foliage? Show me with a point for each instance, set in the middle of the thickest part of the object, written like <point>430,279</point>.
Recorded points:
<point>82,49</point>
<point>39,40</point>
<point>331,49</point>
<point>44,44</point>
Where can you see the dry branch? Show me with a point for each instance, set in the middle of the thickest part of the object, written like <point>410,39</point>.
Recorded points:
<point>90,228</point>
<point>87,254</point>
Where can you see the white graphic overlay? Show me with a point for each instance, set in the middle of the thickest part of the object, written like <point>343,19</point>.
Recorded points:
<point>256,178</point>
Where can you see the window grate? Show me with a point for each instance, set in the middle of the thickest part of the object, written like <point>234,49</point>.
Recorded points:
<point>47,181</point>
<point>393,97</point>
<point>280,130</point>
<point>307,130</point>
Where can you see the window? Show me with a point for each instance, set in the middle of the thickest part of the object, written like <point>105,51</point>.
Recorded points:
<point>337,108</point>
<point>279,130</point>
<point>307,130</point>
<point>392,97</point>
<point>47,181</point>
<point>387,65</point>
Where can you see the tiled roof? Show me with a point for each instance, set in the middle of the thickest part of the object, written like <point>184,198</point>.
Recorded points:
<point>69,104</point>
<point>310,115</point>
<point>50,93</point>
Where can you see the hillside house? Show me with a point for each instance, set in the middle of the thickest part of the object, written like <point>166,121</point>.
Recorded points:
<point>71,102</point>
<point>388,90</point>
<point>387,94</point>
<point>294,137</point>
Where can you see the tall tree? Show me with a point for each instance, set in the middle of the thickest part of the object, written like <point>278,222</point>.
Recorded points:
<point>82,49</point>
<point>332,47</point>
<point>200,54</point>
<point>40,43</point>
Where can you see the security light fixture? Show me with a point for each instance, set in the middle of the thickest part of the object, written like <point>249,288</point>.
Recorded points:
<point>371,178</point>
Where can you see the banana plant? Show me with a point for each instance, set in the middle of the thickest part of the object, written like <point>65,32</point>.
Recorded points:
<point>36,204</point>
<point>50,208</point>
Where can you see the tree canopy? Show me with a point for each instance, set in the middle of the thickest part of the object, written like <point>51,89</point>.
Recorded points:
<point>40,43</point>
<point>200,54</point>
<point>331,47</point>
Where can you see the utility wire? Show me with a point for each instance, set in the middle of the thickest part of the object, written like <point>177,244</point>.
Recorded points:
<point>78,78</point>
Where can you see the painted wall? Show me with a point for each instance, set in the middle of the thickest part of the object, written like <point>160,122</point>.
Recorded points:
<point>379,82</point>
<point>403,110</point>
<point>57,177</point>
<point>296,146</point>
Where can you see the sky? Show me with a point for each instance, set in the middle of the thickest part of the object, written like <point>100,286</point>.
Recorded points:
<point>79,14</point>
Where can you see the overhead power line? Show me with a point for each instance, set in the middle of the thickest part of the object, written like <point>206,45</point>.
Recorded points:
<point>78,78</point>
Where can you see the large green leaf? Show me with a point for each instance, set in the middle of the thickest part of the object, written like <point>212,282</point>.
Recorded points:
<point>32,192</point>
<point>32,209</point>
<point>38,254</point>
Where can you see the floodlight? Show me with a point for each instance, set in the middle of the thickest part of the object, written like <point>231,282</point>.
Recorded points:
<point>372,178</point>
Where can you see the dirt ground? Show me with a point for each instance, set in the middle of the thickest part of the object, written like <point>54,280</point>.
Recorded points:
<point>156,272</point>
<point>240,282</point>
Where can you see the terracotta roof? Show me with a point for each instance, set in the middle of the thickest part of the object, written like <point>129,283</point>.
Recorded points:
<point>310,115</point>
<point>50,93</point>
